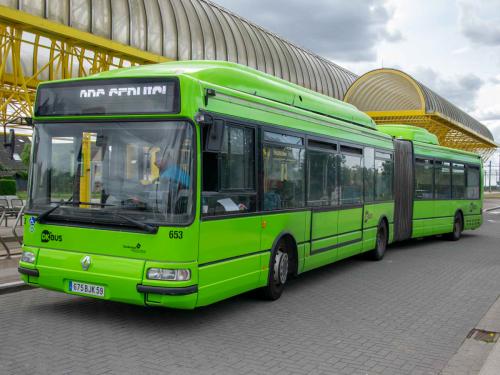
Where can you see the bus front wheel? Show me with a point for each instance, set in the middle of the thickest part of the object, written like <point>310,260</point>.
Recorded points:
<point>278,272</point>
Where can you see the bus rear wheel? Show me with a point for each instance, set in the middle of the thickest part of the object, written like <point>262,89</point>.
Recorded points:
<point>381,242</point>
<point>457,229</point>
<point>278,272</point>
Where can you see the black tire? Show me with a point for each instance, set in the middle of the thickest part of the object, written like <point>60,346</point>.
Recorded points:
<point>279,269</point>
<point>457,228</point>
<point>380,242</point>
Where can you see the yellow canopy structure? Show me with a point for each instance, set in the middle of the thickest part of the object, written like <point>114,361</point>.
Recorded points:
<point>43,40</point>
<point>34,49</point>
<point>391,96</point>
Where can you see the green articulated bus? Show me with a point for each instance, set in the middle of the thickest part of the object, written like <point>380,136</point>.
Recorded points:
<point>185,183</point>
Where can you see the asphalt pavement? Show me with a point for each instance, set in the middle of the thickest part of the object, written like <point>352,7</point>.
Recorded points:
<point>408,314</point>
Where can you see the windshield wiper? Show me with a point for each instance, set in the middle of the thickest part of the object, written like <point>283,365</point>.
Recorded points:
<point>45,214</point>
<point>41,218</point>
<point>139,224</point>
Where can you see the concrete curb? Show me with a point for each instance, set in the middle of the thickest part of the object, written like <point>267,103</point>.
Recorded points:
<point>492,364</point>
<point>12,239</point>
<point>12,287</point>
<point>492,209</point>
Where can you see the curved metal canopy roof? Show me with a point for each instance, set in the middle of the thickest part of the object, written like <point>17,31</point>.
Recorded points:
<point>394,90</point>
<point>57,39</point>
<point>193,30</point>
<point>435,103</point>
<point>392,96</point>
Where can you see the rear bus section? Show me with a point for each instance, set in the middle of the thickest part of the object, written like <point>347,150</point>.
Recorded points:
<point>439,189</point>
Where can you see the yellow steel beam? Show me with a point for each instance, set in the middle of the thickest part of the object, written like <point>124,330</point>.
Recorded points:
<point>58,52</point>
<point>417,116</point>
<point>68,47</point>
<point>411,113</point>
<point>48,28</point>
<point>461,128</point>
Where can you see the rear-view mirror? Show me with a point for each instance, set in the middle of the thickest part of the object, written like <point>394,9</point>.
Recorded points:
<point>215,133</point>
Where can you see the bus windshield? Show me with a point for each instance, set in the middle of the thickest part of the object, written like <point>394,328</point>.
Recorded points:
<point>112,172</point>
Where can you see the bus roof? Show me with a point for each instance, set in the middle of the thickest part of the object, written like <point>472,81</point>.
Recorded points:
<point>410,133</point>
<point>423,139</point>
<point>244,79</point>
<point>250,81</point>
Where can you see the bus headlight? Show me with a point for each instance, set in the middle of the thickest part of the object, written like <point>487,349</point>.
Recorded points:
<point>28,257</point>
<point>168,274</point>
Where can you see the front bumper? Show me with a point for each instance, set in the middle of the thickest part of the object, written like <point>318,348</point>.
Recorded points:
<point>124,279</point>
<point>28,271</point>
<point>167,291</point>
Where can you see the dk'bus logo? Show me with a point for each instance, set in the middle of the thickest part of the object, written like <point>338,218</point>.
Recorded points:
<point>49,236</point>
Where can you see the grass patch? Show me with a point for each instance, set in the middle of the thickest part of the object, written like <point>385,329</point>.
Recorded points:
<point>22,195</point>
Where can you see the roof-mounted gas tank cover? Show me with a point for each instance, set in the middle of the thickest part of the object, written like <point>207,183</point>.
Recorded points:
<point>254,82</point>
<point>221,75</point>
<point>408,132</point>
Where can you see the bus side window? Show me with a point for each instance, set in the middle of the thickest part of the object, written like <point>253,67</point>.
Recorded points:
<point>473,183</point>
<point>369,173</point>
<point>351,175</point>
<point>383,176</point>
<point>424,179</point>
<point>283,171</point>
<point>229,175</point>
<point>458,181</point>
<point>322,174</point>
<point>442,187</point>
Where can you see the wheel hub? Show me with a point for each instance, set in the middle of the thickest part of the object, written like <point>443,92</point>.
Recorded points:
<point>281,267</point>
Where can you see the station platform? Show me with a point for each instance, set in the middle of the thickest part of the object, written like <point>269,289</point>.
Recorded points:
<point>9,277</point>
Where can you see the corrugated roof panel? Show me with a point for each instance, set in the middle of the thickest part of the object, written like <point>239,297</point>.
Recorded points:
<point>194,29</point>
<point>394,90</point>
<point>436,103</point>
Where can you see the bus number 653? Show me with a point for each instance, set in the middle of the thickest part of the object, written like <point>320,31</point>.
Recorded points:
<point>175,234</point>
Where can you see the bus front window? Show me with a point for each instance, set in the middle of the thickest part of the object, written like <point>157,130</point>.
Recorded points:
<point>105,171</point>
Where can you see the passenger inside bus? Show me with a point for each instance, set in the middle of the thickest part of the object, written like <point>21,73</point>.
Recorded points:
<point>174,182</point>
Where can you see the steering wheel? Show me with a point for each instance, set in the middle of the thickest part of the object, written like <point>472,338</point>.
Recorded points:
<point>134,203</point>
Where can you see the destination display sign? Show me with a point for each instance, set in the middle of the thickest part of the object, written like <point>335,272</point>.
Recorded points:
<point>109,97</point>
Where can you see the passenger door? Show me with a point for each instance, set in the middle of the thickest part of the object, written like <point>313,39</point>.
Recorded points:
<point>229,249</point>
<point>323,197</point>
<point>423,204</point>
<point>443,207</point>
<point>283,189</point>
<point>351,201</point>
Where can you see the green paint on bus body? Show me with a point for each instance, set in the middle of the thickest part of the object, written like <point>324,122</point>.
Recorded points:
<point>411,133</point>
<point>228,256</point>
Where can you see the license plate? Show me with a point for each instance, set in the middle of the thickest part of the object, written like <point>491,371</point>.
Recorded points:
<point>89,289</point>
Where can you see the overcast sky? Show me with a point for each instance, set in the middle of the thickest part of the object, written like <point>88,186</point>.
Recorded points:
<point>452,46</point>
